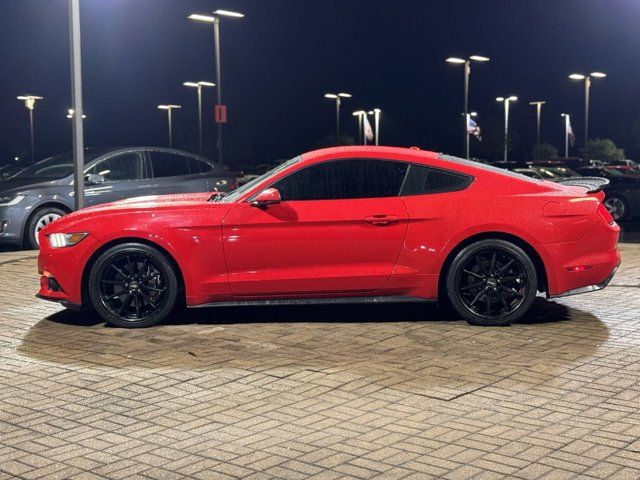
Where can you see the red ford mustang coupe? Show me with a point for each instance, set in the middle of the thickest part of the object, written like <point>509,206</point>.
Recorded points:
<point>347,224</point>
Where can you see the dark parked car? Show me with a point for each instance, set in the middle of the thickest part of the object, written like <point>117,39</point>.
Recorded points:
<point>622,194</point>
<point>43,192</point>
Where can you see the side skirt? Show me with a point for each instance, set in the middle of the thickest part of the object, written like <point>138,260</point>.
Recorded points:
<point>318,301</point>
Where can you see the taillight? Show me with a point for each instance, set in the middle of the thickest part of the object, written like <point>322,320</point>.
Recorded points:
<point>604,213</point>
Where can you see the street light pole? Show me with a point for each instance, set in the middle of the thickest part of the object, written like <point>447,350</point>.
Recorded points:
<point>76,104</point>
<point>567,122</point>
<point>376,116</point>
<point>338,98</point>
<point>198,86</point>
<point>467,74</point>
<point>169,108</point>
<point>359,114</point>
<point>30,103</point>
<point>215,19</point>
<point>538,105</point>
<point>506,102</point>
<point>587,88</point>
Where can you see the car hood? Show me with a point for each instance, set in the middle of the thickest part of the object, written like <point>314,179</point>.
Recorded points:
<point>17,185</point>
<point>152,202</point>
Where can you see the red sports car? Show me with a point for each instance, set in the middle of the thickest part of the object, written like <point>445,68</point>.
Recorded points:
<point>346,224</point>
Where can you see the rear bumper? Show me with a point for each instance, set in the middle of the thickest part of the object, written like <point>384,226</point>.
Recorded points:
<point>585,265</point>
<point>588,288</point>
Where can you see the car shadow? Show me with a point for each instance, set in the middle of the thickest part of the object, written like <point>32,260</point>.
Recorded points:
<point>417,348</point>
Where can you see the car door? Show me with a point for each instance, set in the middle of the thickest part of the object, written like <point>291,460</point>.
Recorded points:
<point>123,175</point>
<point>172,172</point>
<point>339,228</point>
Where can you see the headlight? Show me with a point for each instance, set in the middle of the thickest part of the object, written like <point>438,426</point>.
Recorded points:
<point>59,240</point>
<point>9,200</point>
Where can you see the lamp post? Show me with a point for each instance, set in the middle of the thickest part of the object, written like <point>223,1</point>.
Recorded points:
<point>567,127</point>
<point>30,103</point>
<point>587,88</point>
<point>338,98</point>
<point>467,74</point>
<point>538,105</point>
<point>506,101</point>
<point>169,108</point>
<point>215,19</point>
<point>198,86</point>
<point>359,114</point>
<point>376,116</point>
<point>70,113</point>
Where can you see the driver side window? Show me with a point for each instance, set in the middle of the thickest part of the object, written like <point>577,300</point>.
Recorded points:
<point>125,166</point>
<point>344,179</point>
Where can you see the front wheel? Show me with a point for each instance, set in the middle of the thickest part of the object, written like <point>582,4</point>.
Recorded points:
<point>492,282</point>
<point>133,285</point>
<point>40,219</point>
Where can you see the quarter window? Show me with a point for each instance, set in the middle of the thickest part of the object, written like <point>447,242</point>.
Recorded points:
<point>422,180</point>
<point>344,179</point>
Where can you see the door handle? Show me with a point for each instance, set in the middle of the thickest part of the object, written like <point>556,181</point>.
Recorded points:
<point>381,220</point>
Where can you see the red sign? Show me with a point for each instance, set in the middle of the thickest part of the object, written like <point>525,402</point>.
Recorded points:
<point>221,113</point>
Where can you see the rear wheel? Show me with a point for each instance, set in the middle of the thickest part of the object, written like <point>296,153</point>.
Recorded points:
<point>40,219</point>
<point>617,207</point>
<point>492,282</point>
<point>133,285</point>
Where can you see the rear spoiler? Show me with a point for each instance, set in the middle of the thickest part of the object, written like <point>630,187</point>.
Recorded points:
<point>592,184</point>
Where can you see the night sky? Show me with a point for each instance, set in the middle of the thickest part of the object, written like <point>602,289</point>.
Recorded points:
<point>284,55</point>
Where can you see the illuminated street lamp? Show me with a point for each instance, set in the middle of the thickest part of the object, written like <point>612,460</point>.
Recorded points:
<point>338,98</point>
<point>199,86</point>
<point>169,108</point>
<point>506,102</point>
<point>359,114</point>
<point>538,105</point>
<point>587,88</point>
<point>30,103</point>
<point>215,19</point>
<point>467,73</point>
<point>70,113</point>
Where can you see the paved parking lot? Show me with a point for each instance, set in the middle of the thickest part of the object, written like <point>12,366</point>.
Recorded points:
<point>321,392</point>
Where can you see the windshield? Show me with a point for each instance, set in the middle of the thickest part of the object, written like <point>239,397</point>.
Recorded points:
<point>56,167</point>
<point>237,193</point>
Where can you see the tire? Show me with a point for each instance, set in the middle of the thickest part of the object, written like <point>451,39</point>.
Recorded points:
<point>37,222</point>
<point>133,285</point>
<point>492,283</point>
<point>617,206</point>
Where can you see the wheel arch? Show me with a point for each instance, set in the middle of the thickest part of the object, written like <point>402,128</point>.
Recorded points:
<point>47,204</point>
<point>509,237</point>
<point>84,282</point>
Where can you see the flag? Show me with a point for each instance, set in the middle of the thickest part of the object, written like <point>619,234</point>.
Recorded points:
<point>473,128</point>
<point>570,134</point>
<point>368,132</point>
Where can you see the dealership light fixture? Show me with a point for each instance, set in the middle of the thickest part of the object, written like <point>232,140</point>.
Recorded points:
<point>587,90</point>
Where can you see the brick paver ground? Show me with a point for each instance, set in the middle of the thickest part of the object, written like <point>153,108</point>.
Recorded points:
<point>322,392</point>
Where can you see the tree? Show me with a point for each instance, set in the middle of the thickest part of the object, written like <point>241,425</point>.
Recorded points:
<point>602,149</point>
<point>544,151</point>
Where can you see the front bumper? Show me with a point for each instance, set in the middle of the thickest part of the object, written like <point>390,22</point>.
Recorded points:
<point>588,288</point>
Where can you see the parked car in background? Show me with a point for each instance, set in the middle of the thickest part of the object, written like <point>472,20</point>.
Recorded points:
<point>622,194</point>
<point>43,192</point>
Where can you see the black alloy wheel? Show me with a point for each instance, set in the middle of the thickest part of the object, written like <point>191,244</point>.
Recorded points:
<point>133,285</point>
<point>492,282</point>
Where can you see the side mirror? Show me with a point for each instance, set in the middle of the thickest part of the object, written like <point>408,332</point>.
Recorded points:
<point>266,197</point>
<point>94,179</point>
